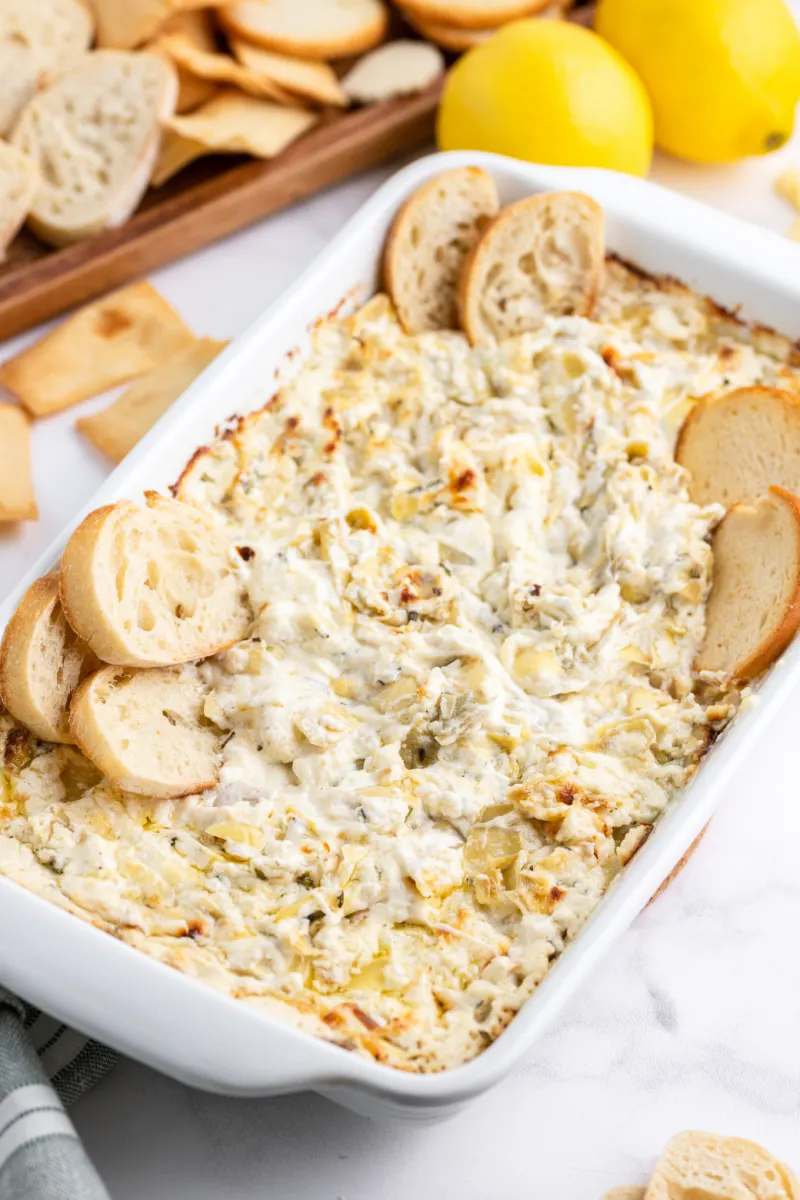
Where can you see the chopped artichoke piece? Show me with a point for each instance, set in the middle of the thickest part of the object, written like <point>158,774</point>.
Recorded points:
<point>491,847</point>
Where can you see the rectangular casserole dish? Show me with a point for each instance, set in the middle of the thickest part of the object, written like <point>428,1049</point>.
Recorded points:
<point>171,1022</point>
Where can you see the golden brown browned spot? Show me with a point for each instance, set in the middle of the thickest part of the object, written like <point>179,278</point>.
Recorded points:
<point>363,1017</point>
<point>17,751</point>
<point>557,893</point>
<point>465,479</point>
<point>110,322</point>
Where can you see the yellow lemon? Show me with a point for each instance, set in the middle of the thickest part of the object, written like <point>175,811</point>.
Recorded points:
<point>723,75</point>
<point>549,92</point>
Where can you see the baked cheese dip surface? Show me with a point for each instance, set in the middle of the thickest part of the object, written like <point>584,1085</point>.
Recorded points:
<point>478,587</point>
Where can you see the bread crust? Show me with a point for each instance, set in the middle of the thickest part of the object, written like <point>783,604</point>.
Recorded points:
<point>16,684</point>
<point>314,47</point>
<point>100,623</point>
<point>456,15</point>
<point>119,205</point>
<point>396,249</point>
<point>86,728</point>
<point>475,268</point>
<point>776,641</point>
<point>692,428</point>
<point>450,37</point>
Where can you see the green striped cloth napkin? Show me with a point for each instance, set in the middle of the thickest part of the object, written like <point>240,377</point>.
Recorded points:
<point>44,1066</point>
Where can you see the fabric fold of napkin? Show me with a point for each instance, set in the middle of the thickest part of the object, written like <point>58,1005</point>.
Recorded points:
<point>43,1066</point>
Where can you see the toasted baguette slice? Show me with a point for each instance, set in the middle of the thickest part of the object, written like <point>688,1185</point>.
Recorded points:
<point>753,611</point>
<point>104,344</point>
<point>144,730</point>
<point>116,430</point>
<point>449,37</point>
<point>315,81</point>
<point>542,256</point>
<point>38,38</point>
<point>430,239</point>
<point>625,1193</point>
<point>19,183</point>
<point>151,586</point>
<point>94,134</point>
<point>396,69</point>
<point>316,29</point>
<point>737,444</point>
<point>17,499</point>
<point>42,662</point>
<point>473,14</point>
<point>707,1166</point>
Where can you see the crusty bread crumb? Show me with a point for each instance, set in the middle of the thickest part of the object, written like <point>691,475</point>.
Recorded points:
<point>708,1166</point>
<point>429,240</point>
<point>737,444</point>
<point>542,256</point>
<point>753,610</point>
<point>42,662</point>
<point>152,586</point>
<point>94,134</point>
<point>145,730</point>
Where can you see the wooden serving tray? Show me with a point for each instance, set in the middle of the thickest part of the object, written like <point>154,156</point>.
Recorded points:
<point>212,198</point>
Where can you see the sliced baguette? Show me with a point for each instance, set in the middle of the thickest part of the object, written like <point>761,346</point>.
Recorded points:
<point>429,241</point>
<point>144,730</point>
<point>38,38</point>
<point>315,29</point>
<point>625,1193</point>
<point>753,610</point>
<point>116,430</point>
<point>396,69</point>
<point>542,256</point>
<point>152,586</point>
<point>472,14</point>
<point>104,344</point>
<point>708,1166</point>
<point>737,444</point>
<point>315,81</point>
<point>17,497</point>
<point>94,134</point>
<point>19,183</point>
<point>449,37</point>
<point>42,662</point>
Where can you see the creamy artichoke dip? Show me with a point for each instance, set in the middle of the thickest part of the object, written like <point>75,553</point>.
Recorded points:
<point>478,587</point>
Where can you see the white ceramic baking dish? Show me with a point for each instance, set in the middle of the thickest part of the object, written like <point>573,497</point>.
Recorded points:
<point>186,1029</point>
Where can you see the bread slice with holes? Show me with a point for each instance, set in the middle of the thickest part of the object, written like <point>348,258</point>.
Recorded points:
<point>753,611</point>
<point>542,256</point>
<point>42,662</point>
<point>19,183</point>
<point>152,586</point>
<point>315,29</point>
<point>38,38</point>
<point>708,1166</point>
<point>429,241</point>
<point>145,730</point>
<point>94,135</point>
<point>736,444</point>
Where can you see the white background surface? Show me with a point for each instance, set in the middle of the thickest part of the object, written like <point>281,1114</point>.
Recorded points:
<point>693,1021</point>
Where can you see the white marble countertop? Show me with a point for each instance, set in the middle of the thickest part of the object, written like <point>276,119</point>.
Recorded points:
<point>692,1021</point>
